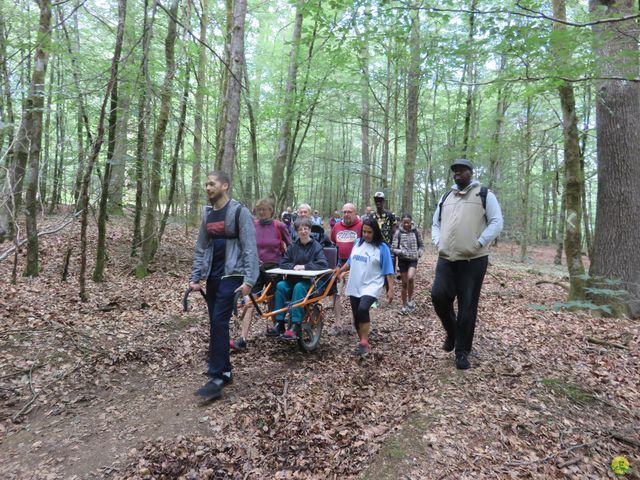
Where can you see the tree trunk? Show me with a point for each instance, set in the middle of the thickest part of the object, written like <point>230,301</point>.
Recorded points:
<point>469,78</point>
<point>413,97</point>
<point>495,152</point>
<point>8,117</point>
<point>101,250</point>
<point>120,157</point>
<point>253,174</point>
<point>560,235</point>
<point>364,126</point>
<point>26,150</point>
<point>525,182</point>
<point>83,119</point>
<point>83,199</point>
<point>59,151</point>
<point>225,66</point>
<point>196,167</point>
<point>385,129</point>
<point>616,242</point>
<point>583,148</point>
<point>235,85</point>
<point>278,174</point>
<point>573,179</point>
<point>150,232</point>
<point>44,164</point>
<point>176,153</point>
<point>144,113</point>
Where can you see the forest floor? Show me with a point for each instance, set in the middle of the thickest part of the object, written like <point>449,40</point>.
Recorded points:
<point>104,389</point>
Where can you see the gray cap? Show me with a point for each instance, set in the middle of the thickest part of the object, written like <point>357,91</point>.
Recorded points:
<point>462,162</point>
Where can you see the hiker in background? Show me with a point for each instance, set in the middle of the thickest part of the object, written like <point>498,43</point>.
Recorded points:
<point>317,219</point>
<point>367,213</point>
<point>344,234</point>
<point>408,246</point>
<point>287,219</point>
<point>335,218</point>
<point>272,240</point>
<point>468,218</point>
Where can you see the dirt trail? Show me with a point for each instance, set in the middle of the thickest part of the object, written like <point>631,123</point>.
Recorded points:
<point>539,402</point>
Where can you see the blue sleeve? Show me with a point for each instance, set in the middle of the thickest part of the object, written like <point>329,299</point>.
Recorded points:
<point>385,260</point>
<point>494,220</point>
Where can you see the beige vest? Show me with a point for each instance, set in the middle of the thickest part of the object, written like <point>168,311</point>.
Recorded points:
<point>462,222</point>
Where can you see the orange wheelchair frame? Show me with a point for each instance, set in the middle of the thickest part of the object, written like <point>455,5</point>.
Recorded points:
<point>313,318</point>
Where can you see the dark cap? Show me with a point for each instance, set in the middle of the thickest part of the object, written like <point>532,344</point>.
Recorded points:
<point>378,195</point>
<point>462,162</point>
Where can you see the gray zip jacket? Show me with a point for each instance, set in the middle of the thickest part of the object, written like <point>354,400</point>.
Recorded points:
<point>241,254</point>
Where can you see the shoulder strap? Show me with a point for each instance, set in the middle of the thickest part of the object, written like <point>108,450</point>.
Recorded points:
<point>483,196</point>
<point>444,197</point>
<point>237,218</point>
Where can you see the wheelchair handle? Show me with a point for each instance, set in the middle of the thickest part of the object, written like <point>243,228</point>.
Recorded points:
<point>185,298</point>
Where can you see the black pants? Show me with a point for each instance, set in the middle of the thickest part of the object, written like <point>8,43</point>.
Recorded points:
<point>360,307</point>
<point>461,279</point>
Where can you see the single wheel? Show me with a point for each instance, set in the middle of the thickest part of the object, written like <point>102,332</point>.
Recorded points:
<point>311,328</point>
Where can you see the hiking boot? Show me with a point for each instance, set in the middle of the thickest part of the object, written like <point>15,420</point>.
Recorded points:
<point>363,348</point>
<point>238,345</point>
<point>292,334</point>
<point>276,330</point>
<point>449,344</point>
<point>212,390</point>
<point>462,362</point>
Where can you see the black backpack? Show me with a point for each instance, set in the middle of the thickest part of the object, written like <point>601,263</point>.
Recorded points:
<point>237,225</point>
<point>483,196</point>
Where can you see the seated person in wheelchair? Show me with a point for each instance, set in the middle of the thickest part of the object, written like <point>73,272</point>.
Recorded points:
<point>272,240</point>
<point>303,254</point>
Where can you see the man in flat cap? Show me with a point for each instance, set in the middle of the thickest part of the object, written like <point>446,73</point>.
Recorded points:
<point>467,219</point>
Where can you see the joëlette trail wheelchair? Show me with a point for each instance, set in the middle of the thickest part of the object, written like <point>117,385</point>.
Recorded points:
<point>323,284</point>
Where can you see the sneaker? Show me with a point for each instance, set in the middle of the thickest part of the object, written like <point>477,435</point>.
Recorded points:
<point>411,305</point>
<point>227,378</point>
<point>375,304</point>
<point>404,310</point>
<point>212,390</point>
<point>276,330</point>
<point>238,345</point>
<point>293,333</point>
<point>449,344</point>
<point>462,362</point>
<point>363,349</point>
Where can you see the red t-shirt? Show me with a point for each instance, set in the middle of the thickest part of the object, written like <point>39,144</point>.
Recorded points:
<point>344,237</point>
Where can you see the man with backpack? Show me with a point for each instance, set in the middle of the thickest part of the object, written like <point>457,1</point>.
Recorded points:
<point>226,257</point>
<point>467,219</point>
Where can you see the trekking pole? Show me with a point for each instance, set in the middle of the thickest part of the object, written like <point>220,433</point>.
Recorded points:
<point>185,298</point>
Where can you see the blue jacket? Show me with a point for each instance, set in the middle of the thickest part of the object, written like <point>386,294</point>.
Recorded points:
<point>241,254</point>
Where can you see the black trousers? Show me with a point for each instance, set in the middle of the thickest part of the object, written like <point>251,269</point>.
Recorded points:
<point>360,307</point>
<point>462,280</point>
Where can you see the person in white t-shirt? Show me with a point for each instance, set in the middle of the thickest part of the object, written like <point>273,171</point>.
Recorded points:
<point>369,263</point>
